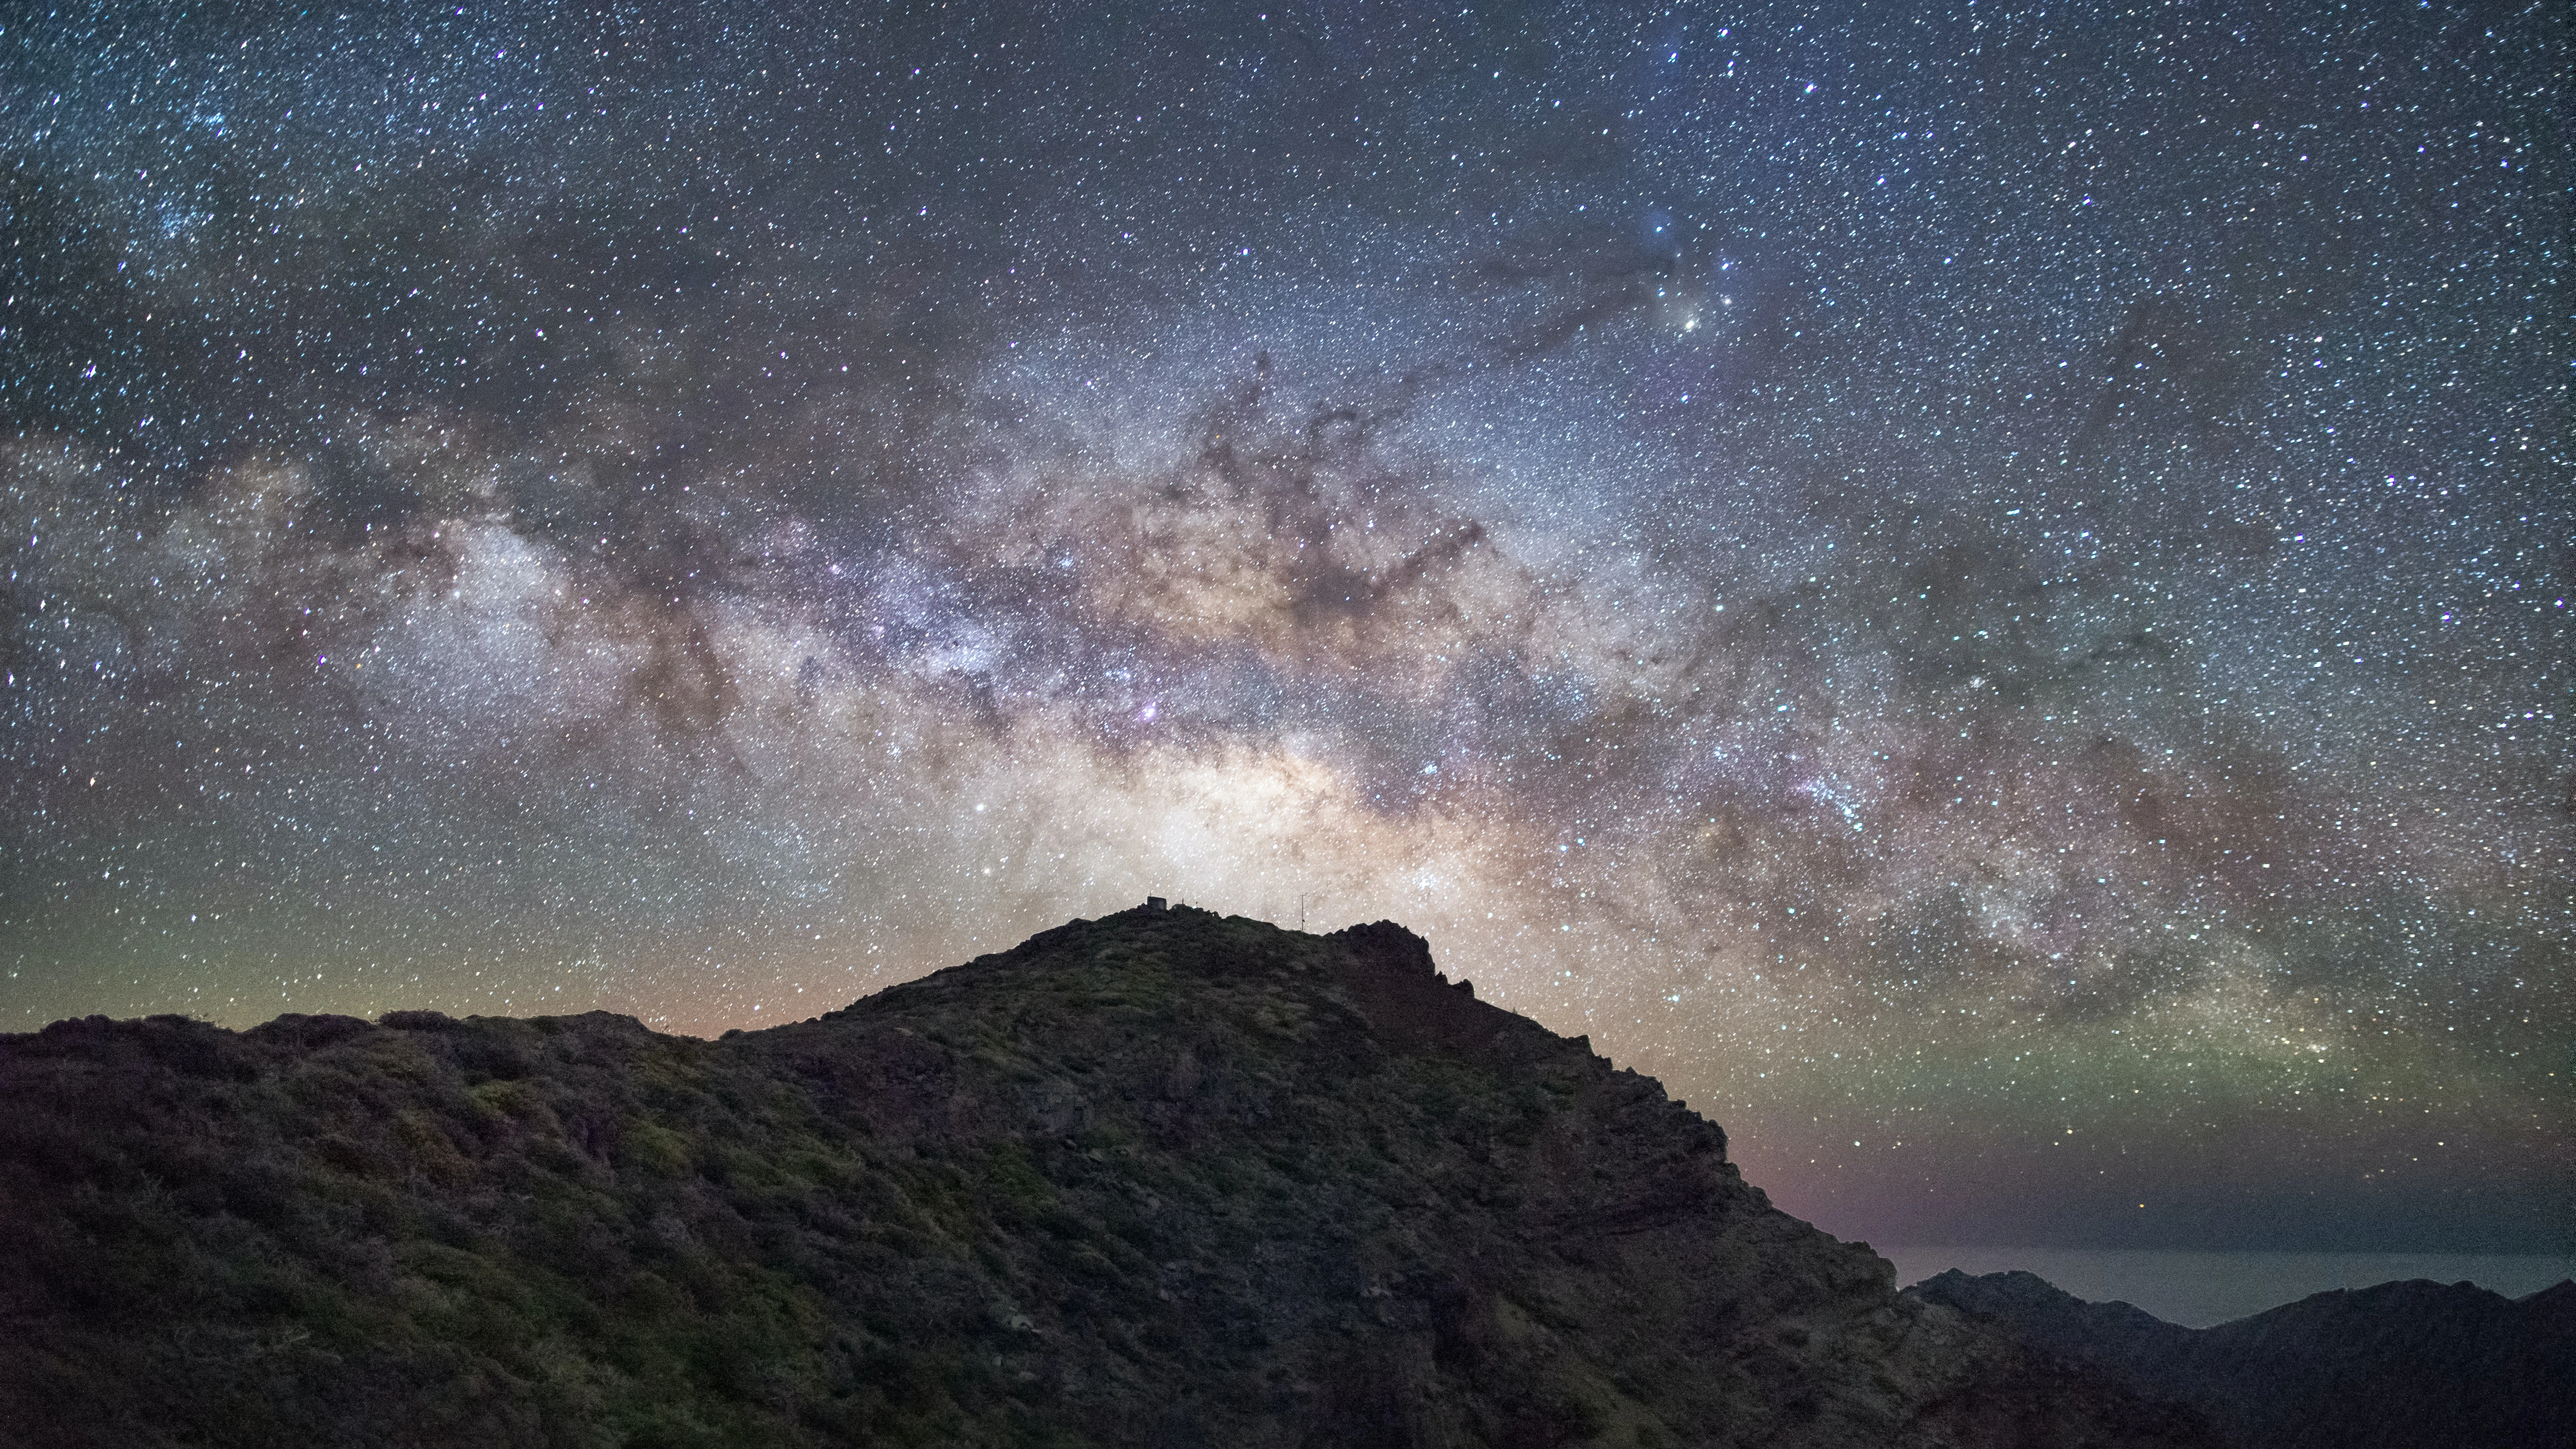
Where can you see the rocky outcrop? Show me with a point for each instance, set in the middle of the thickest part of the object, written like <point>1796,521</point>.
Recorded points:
<point>1160,1179</point>
<point>2413,1365</point>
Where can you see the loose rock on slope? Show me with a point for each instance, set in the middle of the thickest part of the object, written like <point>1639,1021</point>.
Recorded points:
<point>1160,1179</point>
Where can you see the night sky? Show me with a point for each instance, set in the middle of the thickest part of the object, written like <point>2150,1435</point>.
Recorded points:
<point>1982,589</point>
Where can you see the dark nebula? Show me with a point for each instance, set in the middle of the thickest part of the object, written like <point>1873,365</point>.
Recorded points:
<point>1981,589</point>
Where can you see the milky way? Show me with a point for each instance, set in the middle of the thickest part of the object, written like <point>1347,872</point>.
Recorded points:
<point>1980,590</point>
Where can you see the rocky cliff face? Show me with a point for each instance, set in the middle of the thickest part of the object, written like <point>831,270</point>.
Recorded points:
<point>1160,1179</point>
<point>2414,1365</point>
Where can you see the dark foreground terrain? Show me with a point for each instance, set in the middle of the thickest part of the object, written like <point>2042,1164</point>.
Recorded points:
<point>1161,1179</point>
<point>2414,1365</point>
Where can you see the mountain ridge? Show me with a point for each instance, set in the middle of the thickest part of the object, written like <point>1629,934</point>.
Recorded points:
<point>1161,1178</point>
<point>2411,1364</point>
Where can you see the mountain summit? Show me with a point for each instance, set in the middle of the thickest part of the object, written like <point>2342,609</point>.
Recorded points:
<point>1162,1179</point>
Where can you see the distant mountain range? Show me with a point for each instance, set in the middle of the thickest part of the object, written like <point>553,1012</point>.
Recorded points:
<point>2414,1365</point>
<point>1164,1179</point>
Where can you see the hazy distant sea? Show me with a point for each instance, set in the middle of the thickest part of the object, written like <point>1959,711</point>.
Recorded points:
<point>2199,1289</point>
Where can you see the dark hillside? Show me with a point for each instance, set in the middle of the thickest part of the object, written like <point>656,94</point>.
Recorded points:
<point>1160,1179</point>
<point>2412,1365</point>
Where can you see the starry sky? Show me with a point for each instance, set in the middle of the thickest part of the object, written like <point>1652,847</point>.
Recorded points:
<point>1980,588</point>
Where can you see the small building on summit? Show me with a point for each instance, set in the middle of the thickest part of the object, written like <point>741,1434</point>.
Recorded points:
<point>1157,903</point>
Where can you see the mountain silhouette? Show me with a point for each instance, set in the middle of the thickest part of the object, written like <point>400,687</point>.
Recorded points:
<point>2410,1365</point>
<point>1163,1179</point>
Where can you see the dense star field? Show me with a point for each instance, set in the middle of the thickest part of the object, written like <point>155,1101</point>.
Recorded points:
<point>1981,589</point>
